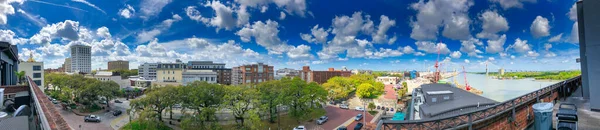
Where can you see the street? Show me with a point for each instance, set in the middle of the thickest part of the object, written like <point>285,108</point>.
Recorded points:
<point>337,117</point>
<point>76,122</point>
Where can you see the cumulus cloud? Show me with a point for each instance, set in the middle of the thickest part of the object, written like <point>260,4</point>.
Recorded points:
<point>520,46</point>
<point>281,15</point>
<point>470,46</point>
<point>507,4</point>
<point>455,54</point>
<point>127,12</point>
<point>384,25</point>
<point>433,14</point>
<point>495,46</point>
<point>297,7</point>
<point>7,9</point>
<point>574,38</point>
<point>556,38</point>
<point>573,12</point>
<point>430,47</point>
<point>317,35</point>
<point>540,27</point>
<point>406,49</point>
<point>67,30</point>
<point>467,61</point>
<point>301,52</point>
<point>151,8</point>
<point>103,32</point>
<point>266,35</point>
<point>11,37</point>
<point>532,54</point>
<point>492,24</point>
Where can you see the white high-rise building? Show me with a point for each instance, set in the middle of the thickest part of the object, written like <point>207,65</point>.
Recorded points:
<point>81,59</point>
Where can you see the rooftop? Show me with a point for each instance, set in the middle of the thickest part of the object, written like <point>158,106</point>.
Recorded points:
<point>463,101</point>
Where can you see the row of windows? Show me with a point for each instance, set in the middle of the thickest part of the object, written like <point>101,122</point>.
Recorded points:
<point>169,72</point>
<point>37,75</point>
<point>201,78</point>
<point>37,68</point>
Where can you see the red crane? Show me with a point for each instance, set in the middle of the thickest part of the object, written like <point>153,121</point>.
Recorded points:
<point>436,74</point>
<point>467,87</point>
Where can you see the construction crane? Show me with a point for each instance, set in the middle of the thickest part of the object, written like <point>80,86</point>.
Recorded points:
<point>436,74</point>
<point>467,87</point>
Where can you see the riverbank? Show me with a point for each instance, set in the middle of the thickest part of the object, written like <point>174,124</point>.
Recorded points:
<point>541,76</point>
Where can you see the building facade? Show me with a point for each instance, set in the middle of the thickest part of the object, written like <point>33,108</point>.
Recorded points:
<point>189,76</point>
<point>170,72</point>
<point>67,65</point>
<point>251,74</point>
<point>111,76</point>
<point>223,74</point>
<point>388,80</point>
<point>81,60</point>
<point>9,60</point>
<point>358,71</point>
<point>147,71</point>
<point>118,65</point>
<point>34,70</point>
<point>321,76</point>
<point>286,72</point>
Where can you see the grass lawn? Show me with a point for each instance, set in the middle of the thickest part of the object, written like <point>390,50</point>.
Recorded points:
<point>287,123</point>
<point>135,125</point>
<point>373,112</point>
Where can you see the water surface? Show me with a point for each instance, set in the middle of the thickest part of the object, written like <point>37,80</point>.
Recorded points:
<point>501,90</point>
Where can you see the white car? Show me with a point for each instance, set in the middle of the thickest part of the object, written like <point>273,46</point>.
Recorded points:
<point>299,128</point>
<point>359,109</point>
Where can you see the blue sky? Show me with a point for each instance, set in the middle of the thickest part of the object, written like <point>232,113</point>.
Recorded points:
<point>376,34</point>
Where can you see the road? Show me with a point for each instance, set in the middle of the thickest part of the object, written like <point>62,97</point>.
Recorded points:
<point>336,116</point>
<point>76,122</point>
<point>368,116</point>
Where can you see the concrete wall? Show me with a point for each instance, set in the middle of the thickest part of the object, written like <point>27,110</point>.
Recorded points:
<point>591,45</point>
<point>28,68</point>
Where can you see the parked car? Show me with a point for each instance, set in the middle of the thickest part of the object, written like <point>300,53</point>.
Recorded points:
<point>118,101</point>
<point>378,107</point>
<point>299,128</point>
<point>391,109</point>
<point>177,106</point>
<point>387,109</point>
<point>358,117</point>
<point>358,126</point>
<point>342,128</point>
<point>322,120</point>
<point>103,102</point>
<point>344,106</point>
<point>54,101</point>
<point>359,109</point>
<point>117,112</point>
<point>91,118</point>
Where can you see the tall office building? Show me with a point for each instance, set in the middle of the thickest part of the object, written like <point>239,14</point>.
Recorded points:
<point>251,74</point>
<point>67,65</point>
<point>33,69</point>
<point>118,65</point>
<point>81,60</point>
<point>147,71</point>
<point>223,74</point>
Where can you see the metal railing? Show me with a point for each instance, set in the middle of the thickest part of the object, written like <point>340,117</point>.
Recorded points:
<point>467,120</point>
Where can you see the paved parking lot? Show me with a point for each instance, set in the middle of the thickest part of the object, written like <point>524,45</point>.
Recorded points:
<point>353,124</point>
<point>76,122</point>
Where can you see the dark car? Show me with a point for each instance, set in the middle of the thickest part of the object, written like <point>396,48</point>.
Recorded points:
<point>358,126</point>
<point>118,101</point>
<point>342,128</point>
<point>91,118</point>
<point>117,112</point>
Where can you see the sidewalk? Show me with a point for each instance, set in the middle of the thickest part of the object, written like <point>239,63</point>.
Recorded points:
<point>120,121</point>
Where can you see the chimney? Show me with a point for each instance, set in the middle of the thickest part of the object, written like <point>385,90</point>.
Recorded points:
<point>331,69</point>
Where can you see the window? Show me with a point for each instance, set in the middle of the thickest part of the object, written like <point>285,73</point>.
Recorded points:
<point>37,68</point>
<point>446,97</point>
<point>433,99</point>
<point>37,75</point>
<point>38,82</point>
<point>163,72</point>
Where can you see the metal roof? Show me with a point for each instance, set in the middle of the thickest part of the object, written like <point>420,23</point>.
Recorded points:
<point>463,101</point>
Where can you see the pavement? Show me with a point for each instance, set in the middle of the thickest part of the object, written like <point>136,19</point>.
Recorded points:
<point>368,118</point>
<point>390,93</point>
<point>337,117</point>
<point>107,119</point>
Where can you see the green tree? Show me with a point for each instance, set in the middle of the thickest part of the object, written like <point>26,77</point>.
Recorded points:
<point>157,100</point>
<point>402,92</point>
<point>365,90</point>
<point>339,87</point>
<point>204,98</point>
<point>305,100</point>
<point>271,96</point>
<point>21,76</point>
<point>240,100</point>
<point>371,106</point>
<point>109,90</point>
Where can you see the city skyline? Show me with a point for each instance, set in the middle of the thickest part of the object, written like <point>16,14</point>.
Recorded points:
<point>379,35</point>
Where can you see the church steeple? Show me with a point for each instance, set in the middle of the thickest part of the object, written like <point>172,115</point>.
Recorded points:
<point>30,57</point>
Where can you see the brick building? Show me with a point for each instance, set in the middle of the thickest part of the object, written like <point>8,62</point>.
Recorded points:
<point>223,74</point>
<point>250,74</point>
<point>321,76</point>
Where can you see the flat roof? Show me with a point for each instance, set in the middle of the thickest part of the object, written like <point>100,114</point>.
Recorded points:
<point>439,92</point>
<point>462,100</point>
<point>15,123</point>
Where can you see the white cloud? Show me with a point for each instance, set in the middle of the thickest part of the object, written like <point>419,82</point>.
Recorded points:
<point>430,47</point>
<point>491,58</point>
<point>556,38</point>
<point>225,17</point>
<point>532,54</point>
<point>507,4</point>
<point>469,46</point>
<point>297,7</point>
<point>150,8</point>
<point>266,35</point>
<point>127,12</point>
<point>318,35</point>
<point>512,57</point>
<point>108,47</point>
<point>521,46</point>
<point>36,19</point>
<point>407,49</point>
<point>318,62</point>
<point>346,29</point>
<point>195,15</point>
<point>11,37</point>
<point>7,9</point>
<point>384,25</point>
<point>67,29</point>
<point>392,40</point>
<point>419,54</point>
<point>90,4</point>
<point>281,15</point>
<point>492,24</point>
<point>467,61</point>
<point>540,27</point>
<point>342,59</point>
<point>364,43</point>
<point>550,54</point>
<point>495,46</point>
<point>573,12</point>
<point>547,46</point>
<point>301,52</point>
<point>385,52</point>
<point>574,38</point>
<point>147,35</point>
<point>455,54</point>
<point>452,14</point>
<point>103,32</point>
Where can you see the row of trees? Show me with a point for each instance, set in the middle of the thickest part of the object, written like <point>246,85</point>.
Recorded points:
<point>364,85</point>
<point>247,104</point>
<point>78,89</point>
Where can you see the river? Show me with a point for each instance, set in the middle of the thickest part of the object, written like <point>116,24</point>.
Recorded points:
<point>501,90</point>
